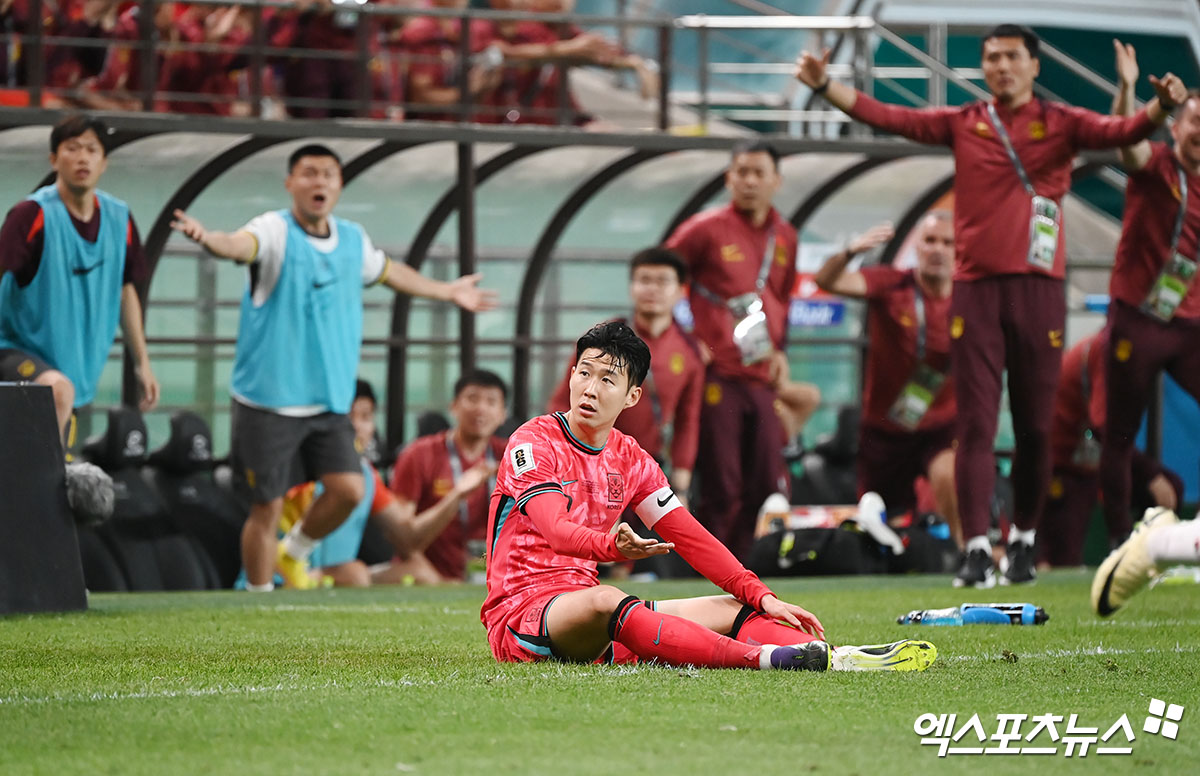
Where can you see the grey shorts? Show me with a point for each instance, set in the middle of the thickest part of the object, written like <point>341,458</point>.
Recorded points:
<point>18,366</point>
<point>270,452</point>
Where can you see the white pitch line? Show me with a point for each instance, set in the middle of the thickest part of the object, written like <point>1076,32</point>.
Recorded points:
<point>367,609</point>
<point>1078,652</point>
<point>203,692</point>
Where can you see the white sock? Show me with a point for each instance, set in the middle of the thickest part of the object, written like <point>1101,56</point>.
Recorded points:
<point>297,544</point>
<point>265,588</point>
<point>1171,544</point>
<point>979,543</point>
<point>1025,537</point>
<point>764,657</point>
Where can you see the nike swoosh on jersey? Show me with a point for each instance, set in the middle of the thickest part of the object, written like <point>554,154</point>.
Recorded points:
<point>662,502</point>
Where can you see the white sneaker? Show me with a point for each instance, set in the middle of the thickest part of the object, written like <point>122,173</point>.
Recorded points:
<point>872,518</point>
<point>1128,568</point>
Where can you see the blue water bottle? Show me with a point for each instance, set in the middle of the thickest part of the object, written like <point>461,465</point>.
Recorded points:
<point>978,614</point>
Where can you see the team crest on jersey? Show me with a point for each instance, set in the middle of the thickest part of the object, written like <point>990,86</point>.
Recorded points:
<point>1037,130</point>
<point>616,489</point>
<point>676,363</point>
<point>982,129</point>
<point>522,459</point>
<point>732,253</point>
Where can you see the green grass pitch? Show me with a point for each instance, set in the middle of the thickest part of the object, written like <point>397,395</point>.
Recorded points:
<point>400,680</point>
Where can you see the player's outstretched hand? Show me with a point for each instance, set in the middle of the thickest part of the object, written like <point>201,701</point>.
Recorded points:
<point>1127,66</point>
<point>1170,89</point>
<point>872,238</point>
<point>811,71</point>
<point>793,615</point>
<point>635,547</point>
<point>466,293</point>
<point>189,227</point>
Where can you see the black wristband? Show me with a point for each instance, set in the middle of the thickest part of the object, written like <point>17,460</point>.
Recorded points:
<point>1167,106</point>
<point>822,88</point>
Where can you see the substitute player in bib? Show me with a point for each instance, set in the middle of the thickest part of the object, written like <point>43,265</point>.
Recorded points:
<point>69,261</point>
<point>1154,318</point>
<point>1013,156</point>
<point>299,339</point>
<point>562,486</point>
<point>908,397</point>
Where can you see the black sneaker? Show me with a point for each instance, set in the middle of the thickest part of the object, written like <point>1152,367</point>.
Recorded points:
<point>811,656</point>
<point>1020,567</point>
<point>977,571</point>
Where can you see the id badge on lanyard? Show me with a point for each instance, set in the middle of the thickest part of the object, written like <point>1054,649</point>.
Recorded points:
<point>474,548</point>
<point>1044,223</point>
<point>1177,274</point>
<point>750,332</point>
<point>1045,216</point>
<point>1087,452</point>
<point>919,393</point>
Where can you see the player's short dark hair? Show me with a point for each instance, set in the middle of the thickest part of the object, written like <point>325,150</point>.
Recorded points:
<point>756,146</point>
<point>659,257</point>
<point>619,342</point>
<point>363,390</point>
<point>75,125</point>
<point>1028,36</point>
<point>312,149</point>
<point>483,379</point>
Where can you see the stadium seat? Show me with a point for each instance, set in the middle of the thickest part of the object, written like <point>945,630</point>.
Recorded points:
<point>150,552</point>
<point>182,473</point>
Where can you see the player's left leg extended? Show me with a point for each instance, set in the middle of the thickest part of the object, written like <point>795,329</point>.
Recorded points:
<point>582,623</point>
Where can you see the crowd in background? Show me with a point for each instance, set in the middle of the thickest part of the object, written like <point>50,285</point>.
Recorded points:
<point>316,65</point>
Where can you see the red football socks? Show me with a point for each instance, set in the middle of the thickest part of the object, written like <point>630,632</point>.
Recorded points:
<point>676,641</point>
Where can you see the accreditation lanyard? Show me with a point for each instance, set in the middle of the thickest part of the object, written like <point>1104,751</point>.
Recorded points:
<point>1177,232</point>
<point>456,470</point>
<point>919,304</point>
<point>665,427</point>
<point>1002,133</point>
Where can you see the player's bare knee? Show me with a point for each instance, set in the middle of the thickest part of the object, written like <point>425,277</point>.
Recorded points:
<point>61,387</point>
<point>346,489</point>
<point>605,599</point>
<point>265,515</point>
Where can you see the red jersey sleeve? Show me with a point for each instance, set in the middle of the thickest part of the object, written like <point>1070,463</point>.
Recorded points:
<point>383,497</point>
<point>408,475</point>
<point>709,557</point>
<point>21,241</point>
<point>547,509</point>
<point>1093,130</point>
<point>690,241</point>
<point>881,280</point>
<point>136,270</point>
<point>924,125</point>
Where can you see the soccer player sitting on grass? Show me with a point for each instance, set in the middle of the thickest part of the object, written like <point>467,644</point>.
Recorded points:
<point>563,483</point>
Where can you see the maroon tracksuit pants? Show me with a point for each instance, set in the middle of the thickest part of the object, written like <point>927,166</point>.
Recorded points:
<point>1012,322</point>
<point>740,461</point>
<point>1140,348</point>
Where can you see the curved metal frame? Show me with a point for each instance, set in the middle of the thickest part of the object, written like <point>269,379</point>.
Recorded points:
<point>694,203</point>
<point>540,258</point>
<point>397,369</point>
<point>812,203</point>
